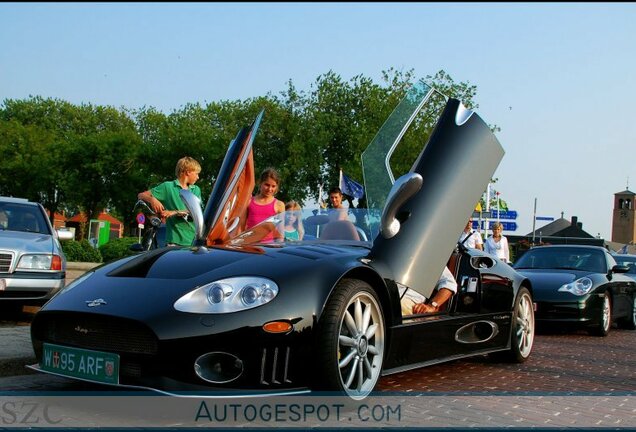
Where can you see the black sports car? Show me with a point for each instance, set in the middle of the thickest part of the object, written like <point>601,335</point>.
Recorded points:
<point>236,313</point>
<point>581,286</point>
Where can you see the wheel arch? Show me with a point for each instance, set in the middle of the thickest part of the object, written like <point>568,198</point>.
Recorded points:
<point>377,283</point>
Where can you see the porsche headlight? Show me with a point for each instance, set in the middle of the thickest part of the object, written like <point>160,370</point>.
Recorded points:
<point>228,295</point>
<point>579,287</point>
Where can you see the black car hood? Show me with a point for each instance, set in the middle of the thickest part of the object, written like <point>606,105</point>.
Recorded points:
<point>157,279</point>
<point>189,263</point>
<point>546,282</point>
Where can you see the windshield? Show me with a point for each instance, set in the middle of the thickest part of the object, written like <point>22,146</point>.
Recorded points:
<point>396,146</point>
<point>392,153</point>
<point>347,226</point>
<point>563,258</point>
<point>22,217</point>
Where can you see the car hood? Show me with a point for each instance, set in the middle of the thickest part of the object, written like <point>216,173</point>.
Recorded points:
<point>546,282</point>
<point>147,286</point>
<point>26,242</point>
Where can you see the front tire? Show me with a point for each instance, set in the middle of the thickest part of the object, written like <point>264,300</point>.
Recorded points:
<point>523,329</point>
<point>605,318</point>
<point>351,340</point>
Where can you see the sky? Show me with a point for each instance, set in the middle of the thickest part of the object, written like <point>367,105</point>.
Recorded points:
<point>559,79</point>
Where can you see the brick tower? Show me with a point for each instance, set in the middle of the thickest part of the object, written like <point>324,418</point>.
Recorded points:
<point>623,218</point>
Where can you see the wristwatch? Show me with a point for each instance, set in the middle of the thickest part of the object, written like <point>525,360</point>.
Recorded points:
<point>434,304</point>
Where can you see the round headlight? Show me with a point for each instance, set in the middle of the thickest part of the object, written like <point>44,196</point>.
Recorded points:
<point>250,294</point>
<point>268,293</point>
<point>218,292</point>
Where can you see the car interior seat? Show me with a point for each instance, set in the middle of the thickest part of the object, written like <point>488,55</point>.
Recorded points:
<point>453,266</point>
<point>340,230</point>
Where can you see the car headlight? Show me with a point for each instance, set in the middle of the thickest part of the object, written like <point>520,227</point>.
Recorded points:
<point>579,287</point>
<point>228,295</point>
<point>40,262</point>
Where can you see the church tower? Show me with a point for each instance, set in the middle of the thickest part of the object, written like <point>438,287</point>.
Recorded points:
<point>623,219</point>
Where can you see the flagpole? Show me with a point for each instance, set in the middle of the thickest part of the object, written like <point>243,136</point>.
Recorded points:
<point>534,220</point>
<point>487,208</point>
<point>498,207</point>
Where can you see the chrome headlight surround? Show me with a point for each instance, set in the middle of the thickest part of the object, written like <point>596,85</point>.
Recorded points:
<point>228,295</point>
<point>579,287</point>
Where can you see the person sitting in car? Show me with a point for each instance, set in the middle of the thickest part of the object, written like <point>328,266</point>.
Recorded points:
<point>414,303</point>
<point>337,211</point>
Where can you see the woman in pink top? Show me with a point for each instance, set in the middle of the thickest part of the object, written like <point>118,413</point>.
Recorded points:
<point>264,204</point>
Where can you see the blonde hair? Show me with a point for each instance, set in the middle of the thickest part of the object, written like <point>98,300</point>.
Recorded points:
<point>497,225</point>
<point>292,205</point>
<point>186,164</point>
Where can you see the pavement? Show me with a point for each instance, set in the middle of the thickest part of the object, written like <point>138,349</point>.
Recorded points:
<point>16,350</point>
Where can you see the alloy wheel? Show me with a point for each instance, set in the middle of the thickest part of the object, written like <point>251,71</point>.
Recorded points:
<point>360,345</point>
<point>525,325</point>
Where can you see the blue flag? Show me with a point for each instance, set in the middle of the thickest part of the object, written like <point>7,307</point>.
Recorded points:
<point>350,187</point>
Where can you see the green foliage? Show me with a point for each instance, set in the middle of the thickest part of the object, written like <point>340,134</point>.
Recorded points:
<point>117,248</point>
<point>80,251</point>
<point>89,158</point>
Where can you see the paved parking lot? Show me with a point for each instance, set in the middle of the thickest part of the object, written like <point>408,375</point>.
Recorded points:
<point>568,363</point>
<point>571,380</point>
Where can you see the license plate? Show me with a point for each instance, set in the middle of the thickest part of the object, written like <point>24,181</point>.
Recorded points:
<point>81,363</point>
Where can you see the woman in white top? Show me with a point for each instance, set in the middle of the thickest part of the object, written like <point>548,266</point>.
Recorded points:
<point>497,244</point>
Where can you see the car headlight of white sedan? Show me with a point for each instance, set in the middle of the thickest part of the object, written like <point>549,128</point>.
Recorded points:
<point>579,287</point>
<point>40,262</point>
<point>228,295</point>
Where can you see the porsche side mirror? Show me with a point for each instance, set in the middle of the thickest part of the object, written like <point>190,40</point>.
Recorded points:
<point>193,203</point>
<point>620,269</point>
<point>403,189</point>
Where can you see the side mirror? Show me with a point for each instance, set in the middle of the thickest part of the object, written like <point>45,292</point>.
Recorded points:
<point>403,189</point>
<point>193,203</point>
<point>136,247</point>
<point>64,234</point>
<point>620,269</point>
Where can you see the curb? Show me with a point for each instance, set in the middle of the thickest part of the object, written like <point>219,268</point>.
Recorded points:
<point>81,266</point>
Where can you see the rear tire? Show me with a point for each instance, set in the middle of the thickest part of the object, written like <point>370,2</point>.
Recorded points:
<point>350,340</point>
<point>605,319</point>
<point>522,332</point>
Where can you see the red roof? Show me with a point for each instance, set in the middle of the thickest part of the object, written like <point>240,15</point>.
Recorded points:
<point>58,216</point>
<point>81,217</point>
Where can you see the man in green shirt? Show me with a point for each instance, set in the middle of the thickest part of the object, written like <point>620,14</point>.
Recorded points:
<point>166,202</point>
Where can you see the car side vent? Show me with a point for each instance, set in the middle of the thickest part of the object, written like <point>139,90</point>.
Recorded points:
<point>5,262</point>
<point>275,366</point>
